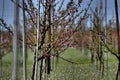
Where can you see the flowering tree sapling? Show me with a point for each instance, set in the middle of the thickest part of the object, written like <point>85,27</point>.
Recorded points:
<point>57,26</point>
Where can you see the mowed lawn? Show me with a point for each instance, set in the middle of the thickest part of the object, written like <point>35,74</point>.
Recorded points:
<point>64,70</point>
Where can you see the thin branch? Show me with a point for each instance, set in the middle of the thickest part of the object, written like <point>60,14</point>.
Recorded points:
<point>67,60</point>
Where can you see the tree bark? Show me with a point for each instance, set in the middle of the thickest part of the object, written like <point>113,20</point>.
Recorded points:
<point>48,65</point>
<point>118,39</point>
<point>41,69</point>
<point>48,58</point>
<point>92,56</point>
<point>101,61</point>
<point>118,70</point>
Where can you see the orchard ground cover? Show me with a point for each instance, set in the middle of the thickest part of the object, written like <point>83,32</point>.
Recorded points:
<point>64,70</point>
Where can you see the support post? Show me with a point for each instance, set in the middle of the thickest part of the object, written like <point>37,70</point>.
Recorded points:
<point>15,41</point>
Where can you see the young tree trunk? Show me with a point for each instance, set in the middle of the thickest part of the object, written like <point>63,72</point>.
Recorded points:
<point>92,56</point>
<point>48,65</point>
<point>101,61</point>
<point>118,70</point>
<point>41,69</point>
<point>102,66</point>
<point>49,39</point>
<point>118,39</point>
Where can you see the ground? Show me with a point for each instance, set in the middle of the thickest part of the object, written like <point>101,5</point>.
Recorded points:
<point>84,70</point>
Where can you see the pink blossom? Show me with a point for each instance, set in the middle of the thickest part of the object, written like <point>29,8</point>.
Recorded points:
<point>53,27</point>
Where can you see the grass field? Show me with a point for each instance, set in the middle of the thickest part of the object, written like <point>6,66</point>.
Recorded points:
<point>84,70</point>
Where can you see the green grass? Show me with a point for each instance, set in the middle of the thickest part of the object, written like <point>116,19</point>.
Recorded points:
<point>81,72</point>
<point>74,55</point>
<point>84,70</point>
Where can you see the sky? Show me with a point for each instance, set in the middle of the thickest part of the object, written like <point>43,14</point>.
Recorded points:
<point>9,9</point>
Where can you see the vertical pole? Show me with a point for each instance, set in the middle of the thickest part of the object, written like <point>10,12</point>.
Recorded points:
<point>0,53</point>
<point>1,39</point>
<point>15,42</point>
<point>37,41</point>
<point>53,32</point>
<point>24,44</point>
<point>106,36</point>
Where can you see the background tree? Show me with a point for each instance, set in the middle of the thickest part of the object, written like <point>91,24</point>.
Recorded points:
<point>57,27</point>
